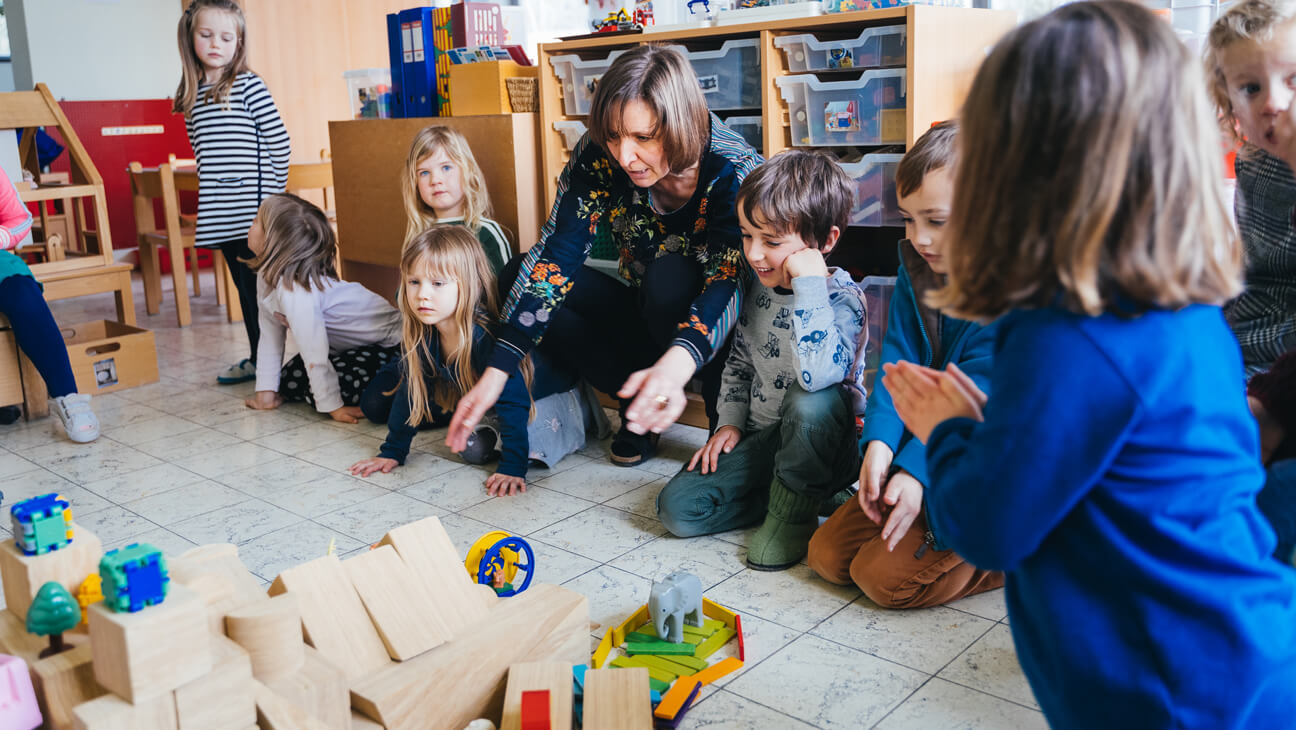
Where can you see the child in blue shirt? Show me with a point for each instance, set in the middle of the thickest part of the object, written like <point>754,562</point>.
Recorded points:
<point>1113,473</point>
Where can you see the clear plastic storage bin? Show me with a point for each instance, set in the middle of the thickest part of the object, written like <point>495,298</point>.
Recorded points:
<point>579,78</point>
<point>750,128</point>
<point>369,90</point>
<point>874,48</point>
<point>875,190</point>
<point>867,111</point>
<point>571,131</point>
<point>730,75</point>
<point>877,299</point>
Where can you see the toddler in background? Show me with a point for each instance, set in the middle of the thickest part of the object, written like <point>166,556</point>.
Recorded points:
<point>344,331</point>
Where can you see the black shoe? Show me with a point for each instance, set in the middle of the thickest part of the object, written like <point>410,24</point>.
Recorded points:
<point>9,414</point>
<point>632,449</point>
<point>481,446</point>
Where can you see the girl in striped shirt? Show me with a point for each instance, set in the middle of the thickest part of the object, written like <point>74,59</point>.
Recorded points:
<point>239,141</point>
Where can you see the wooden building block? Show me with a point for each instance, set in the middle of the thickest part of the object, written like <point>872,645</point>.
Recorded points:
<point>223,698</point>
<point>638,618</point>
<point>534,710</point>
<point>664,648</point>
<point>718,670</point>
<point>604,648</point>
<point>360,722</point>
<point>220,559</point>
<point>62,682</point>
<point>276,713</point>
<point>654,671</point>
<point>319,688</point>
<point>552,677</point>
<point>270,632</point>
<point>23,575</point>
<point>617,699</point>
<point>334,619</point>
<point>218,593</point>
<point>713,644</point>
<point>464,679</point>
<point>397,602</point>
<point>15,641</point>
<point>674,700</point>
<point>426,548</point>
<point>151,652</point>
<point>111,712</point>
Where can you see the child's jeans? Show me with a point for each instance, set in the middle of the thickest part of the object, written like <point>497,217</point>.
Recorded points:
<point>849,548</point>
<point>811,450</point>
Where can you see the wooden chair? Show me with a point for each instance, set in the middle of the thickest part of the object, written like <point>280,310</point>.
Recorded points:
<point>177,238</point>
<point>87,266</point>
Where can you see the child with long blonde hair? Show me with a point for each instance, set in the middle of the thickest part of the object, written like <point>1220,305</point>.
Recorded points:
<point>444,184</point>
<point>239,141</point>
<point>344,331</point>
<point>1250,61</point>
<point>449,302</point>
<point>1112,474</point>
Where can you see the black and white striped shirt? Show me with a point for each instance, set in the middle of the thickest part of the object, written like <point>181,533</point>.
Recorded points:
<point>242,151</point>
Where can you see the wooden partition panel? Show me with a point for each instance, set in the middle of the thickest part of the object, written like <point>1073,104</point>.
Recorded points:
<point>368,161</point>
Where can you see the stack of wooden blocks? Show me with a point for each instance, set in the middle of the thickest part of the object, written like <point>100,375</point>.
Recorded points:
<point>397,637</point>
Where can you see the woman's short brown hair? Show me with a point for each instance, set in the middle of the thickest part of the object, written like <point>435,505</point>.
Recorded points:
<point>663,80</point>
<point>933,150</point>
<point>1070,191</point>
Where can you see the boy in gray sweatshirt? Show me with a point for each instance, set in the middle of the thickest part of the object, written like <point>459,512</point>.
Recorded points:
<point>785,439</point>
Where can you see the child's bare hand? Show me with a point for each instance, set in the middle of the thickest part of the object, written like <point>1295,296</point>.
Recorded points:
<point>264,400</point>
<point>347,414</point>
<point>806,262</point>
<point>503,485</point>
<point>877,461</point>
<point>904,496</point>
<point>960,379</point>
<point>922,400</point>
<point>722,441</point>
<point>365,467</point>
<point>1284,135</point>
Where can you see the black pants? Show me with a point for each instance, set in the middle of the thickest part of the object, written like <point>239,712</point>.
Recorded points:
<point>245,282</point>
<point>355,368</point>
<point>605,330</point>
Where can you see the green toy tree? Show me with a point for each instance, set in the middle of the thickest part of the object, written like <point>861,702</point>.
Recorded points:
<point>52,612</point>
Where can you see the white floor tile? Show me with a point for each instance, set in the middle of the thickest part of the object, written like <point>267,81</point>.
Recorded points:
<point>270,554</point>
<point>237,523</point>
<point>941,704</point>
<point>795,597</point>
<point>613,595</point>
<point>990,665</point>
<point>368,521</point>
<point>454,490</point>
<point>925,639</point>
<point>727,711</point>
<point>183,503</point>
<point>597,481</point>
<point>711,560</point>
<point>525,513</point>
<point>601,533</point>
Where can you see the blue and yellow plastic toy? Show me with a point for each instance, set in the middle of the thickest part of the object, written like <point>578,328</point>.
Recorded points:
<point>495,559</point>
<point>41,524</point>
<point>133,577</point>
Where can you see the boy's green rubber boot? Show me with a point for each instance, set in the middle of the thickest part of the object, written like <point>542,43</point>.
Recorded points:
<point>784,538</point>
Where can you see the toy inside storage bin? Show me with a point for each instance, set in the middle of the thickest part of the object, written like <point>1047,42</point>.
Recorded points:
<point>875,191</point>
<point>730,75</point>
<point>751,129</point>
<point>877,299</point>
<point>874,48</point>
<point>571,130</point>
<point>869,110</point>
<point>369,90</point>
<point>579,77</point>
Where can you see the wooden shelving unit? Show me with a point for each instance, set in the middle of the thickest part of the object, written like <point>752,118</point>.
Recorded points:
<point>945,46</point>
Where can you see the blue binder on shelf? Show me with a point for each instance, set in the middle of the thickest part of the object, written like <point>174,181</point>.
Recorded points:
<point>395,55</point>
<point>418,63</point>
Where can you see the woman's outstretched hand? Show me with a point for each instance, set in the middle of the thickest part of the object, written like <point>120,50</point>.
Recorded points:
<point>473,405</point>
<point>658,392</point>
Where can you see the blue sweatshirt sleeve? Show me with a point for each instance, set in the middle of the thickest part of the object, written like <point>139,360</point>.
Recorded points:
<point>513,409</point>
<point>975,362</point>
<point>903,341</point>
<point>997,488</point>
<point>399,432</point>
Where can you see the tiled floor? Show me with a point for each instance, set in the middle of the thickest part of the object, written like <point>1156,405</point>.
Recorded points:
<point>182,462</point>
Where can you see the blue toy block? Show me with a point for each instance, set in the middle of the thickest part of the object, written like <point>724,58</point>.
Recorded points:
<point>133,577</point>
<point>41,524</point>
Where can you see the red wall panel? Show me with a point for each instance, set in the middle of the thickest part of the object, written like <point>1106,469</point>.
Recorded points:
<point>112,153</point>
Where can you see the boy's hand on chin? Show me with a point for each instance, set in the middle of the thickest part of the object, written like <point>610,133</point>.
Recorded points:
<point>806,262</point>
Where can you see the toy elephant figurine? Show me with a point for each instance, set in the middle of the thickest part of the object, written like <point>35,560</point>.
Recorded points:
<point>675,599</point>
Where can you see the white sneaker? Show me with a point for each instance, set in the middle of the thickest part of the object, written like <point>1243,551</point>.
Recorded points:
<point>81,424</point>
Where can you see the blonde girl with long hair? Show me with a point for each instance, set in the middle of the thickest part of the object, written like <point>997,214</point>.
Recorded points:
<point>1112,473</point>
<point>449,303</point>
<point>444,184</point>
<point>344,331</point>
<point>239,141</point>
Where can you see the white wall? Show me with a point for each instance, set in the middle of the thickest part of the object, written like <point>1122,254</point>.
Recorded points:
<point>92,50</point>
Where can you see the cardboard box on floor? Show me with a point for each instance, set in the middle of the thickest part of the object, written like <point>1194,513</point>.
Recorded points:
<point>108,356</point>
